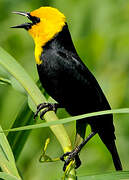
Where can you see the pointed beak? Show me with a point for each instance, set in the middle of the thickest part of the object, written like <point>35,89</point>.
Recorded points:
<point>27,25</point>
<point>21,13</point>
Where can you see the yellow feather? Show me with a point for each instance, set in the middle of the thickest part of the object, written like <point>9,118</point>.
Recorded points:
<point>38,51</point>
<point>51,23</point>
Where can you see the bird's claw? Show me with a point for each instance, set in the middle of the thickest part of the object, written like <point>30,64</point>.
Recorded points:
<point>73,155</point>
<point>47,106</point>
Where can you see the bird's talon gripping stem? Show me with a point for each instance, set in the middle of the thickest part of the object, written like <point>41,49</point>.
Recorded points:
<point>62,158</point>
<point>48,106</point>
<point>73,155</point>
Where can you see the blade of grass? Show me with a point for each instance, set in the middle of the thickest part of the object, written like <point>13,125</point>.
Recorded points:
<point>107,176</point>
<point>70,119</point>
<point>7,162</point>
<point>18,139</point>
<point>4,81</point>
<point>6,176</point>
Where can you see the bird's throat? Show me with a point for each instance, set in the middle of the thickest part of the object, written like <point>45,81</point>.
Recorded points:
<point>38,52</point>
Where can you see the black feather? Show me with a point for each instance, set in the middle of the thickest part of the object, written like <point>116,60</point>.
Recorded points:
<point>71,84</point>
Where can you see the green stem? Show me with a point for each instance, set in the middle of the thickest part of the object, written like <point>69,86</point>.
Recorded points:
<point>72,174</point>
<point>12,66</point>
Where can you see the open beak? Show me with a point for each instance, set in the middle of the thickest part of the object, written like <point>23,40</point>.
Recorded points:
<point>27,25</point>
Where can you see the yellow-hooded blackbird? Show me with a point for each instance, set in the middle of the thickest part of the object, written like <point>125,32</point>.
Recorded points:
<point>66,78</point>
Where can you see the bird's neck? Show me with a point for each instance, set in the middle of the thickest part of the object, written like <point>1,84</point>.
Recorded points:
<point>61,41</point>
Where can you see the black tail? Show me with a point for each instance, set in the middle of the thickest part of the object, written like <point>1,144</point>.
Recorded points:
<point>115,157</point>
<point>113,150</point>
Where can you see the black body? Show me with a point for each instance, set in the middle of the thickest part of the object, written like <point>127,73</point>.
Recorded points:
<point>71,84</point>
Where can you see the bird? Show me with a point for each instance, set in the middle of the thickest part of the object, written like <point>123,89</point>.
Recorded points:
<point>67,79</point>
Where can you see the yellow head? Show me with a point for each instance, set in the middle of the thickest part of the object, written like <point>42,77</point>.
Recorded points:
<point>46,23</point>
<point>51,22</point>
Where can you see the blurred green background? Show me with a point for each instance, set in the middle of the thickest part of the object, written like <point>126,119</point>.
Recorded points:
<point>100,31</point>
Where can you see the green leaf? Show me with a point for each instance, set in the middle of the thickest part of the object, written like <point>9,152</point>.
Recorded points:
<point>70,119</point>
<point>6,176</point>
<point>31,103</point>
<point>4,81</point>
<point>8,63</point>
<point>107,176</point>
<point>3,72</point>
<point>18,139</point>
<point>16,85</point>
<point>7,162</point>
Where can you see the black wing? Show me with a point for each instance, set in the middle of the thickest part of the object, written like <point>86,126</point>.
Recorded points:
<point>70,83</point>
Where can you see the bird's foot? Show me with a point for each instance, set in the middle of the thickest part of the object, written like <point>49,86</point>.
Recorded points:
<point>47,106</point>
<point>69,156</point>
<point>73,155</point>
